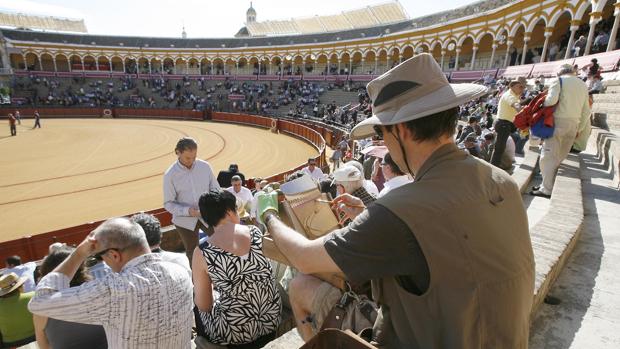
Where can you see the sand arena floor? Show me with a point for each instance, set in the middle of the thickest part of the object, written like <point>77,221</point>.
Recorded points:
<point>74,171</point>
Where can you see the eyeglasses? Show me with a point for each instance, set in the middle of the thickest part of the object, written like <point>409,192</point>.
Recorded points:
<point>99,255</point>
<point>378,131</point>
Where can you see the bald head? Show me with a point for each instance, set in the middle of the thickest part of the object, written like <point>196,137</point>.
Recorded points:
<point>121,233</point>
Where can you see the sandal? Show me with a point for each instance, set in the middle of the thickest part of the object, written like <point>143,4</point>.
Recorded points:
<point>536,187</point>
<point>540,193</point>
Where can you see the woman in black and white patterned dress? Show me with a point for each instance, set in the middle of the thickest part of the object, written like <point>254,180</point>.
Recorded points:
<point>234,288</point>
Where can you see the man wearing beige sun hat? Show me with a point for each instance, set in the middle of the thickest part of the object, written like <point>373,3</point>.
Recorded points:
<point>16,326</point>
<point>449,255</point>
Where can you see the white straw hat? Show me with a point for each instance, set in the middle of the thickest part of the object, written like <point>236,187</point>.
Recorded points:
<point>413,89</point>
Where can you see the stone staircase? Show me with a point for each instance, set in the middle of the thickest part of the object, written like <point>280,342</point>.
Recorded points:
<point>606,106</point>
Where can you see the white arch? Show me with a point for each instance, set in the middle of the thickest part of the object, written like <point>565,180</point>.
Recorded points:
<point>462,39</point>
<point>582,9</point>
<point>556,16</point>
<point>516,27</point>
<point>533,23</point>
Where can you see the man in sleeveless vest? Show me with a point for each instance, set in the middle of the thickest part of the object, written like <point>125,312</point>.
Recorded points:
<point>449,255</point>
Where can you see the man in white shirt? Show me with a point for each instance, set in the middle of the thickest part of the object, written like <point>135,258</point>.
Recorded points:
<point>394,177</point>
<point>152,231</point>
<point>145,303</point>
<point>184,182</point>
<point>243,195</point>
<point>14,265</point>
<point>571,116</point>
<point>312,170</point>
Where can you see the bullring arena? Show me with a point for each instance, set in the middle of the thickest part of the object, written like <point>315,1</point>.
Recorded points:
<point>113,106</point>
<point>82,170</point>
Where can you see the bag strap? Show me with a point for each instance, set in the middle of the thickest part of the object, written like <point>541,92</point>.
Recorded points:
<point>335,317</point>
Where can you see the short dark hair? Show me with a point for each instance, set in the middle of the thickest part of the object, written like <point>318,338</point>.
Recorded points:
<point>14,260</point>
<point>57,256</point>
<point>311,160</point>
<point>472,119</point>
<point>392,165</point>
<point>234,167</point>
<point>215,204</point>
<point>489,136</point>
<point>151,226</point>
<point>186,143</point>
<point>432,126</point>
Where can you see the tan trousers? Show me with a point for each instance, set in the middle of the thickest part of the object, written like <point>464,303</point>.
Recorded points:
<point>555,150</point>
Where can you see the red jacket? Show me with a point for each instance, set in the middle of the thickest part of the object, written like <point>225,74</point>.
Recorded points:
<point>533,112</point>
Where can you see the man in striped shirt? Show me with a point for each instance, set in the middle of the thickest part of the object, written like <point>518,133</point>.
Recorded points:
<point>145,303</point>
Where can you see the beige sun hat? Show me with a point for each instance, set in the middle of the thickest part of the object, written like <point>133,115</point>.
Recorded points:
<point>413,89</point>
<point>10,282</point>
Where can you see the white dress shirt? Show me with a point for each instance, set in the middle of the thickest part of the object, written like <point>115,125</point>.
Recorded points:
<point>572,100</point>
<point>147,305</point>
<point>176,258</point>
<point>316,174</point>
<point>394,183</point>
<point>182,189</point>
<point>244,195</point>
<point>371,187</point>
<point>24,270</point>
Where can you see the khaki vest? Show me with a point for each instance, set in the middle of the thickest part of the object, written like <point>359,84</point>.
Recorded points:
<point>470,222</point>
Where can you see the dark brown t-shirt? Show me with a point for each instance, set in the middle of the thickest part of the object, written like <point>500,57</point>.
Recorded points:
<point>378,244</point>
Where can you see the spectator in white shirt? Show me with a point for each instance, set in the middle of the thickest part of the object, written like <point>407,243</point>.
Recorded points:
<point>184,182</point>
<point>394,177</point>
<point>242,194</point>
<point>312,170</point>
<point>152,231</point>
<point>14,265</point>
<point>145,303</point>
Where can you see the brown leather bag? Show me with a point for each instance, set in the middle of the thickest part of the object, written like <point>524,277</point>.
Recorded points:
<point>332,338</point>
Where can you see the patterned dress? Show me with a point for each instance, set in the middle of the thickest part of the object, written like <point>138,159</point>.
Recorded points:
<point>249,304</point>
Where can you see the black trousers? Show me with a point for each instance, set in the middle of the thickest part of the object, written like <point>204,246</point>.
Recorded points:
<point>13,130</point>
<point>503,129</point>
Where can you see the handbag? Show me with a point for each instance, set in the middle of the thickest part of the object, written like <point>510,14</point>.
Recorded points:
<point>543,127</point>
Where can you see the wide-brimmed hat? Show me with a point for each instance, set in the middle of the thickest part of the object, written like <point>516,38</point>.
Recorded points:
<point>520,80</point>
<point>413,89</point>
<point>10,282</point>
<point>347,174</point>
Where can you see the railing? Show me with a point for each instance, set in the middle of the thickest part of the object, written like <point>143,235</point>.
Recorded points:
<point>36,247</point>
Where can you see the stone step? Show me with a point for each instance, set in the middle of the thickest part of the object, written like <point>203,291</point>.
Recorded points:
<point>612,89</point>
<point>606,98</point>
<point>611,83</point>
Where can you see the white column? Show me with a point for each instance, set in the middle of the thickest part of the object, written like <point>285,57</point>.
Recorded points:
<point>456,60</point>
<point>614,31</point>
<point>376,64</point>
<point>212,67</point>
<point>593,22</point>
<point>571,41</point>
<point>526,39</point>
<point>473,57</point>
<point>109,63</point>
<point>494,47</point>
<point>150,63</point>
<point>350,65</point>
<point>237,68</point>
<point>443,55</point>
<point>507,58</point>
<point>338,72</point>
<point>543,55</point>
<point>362,62</point>
<point>82,60</point>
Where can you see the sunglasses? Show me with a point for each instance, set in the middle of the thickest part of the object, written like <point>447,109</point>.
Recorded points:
<point>378,131</point>
<point>99,255</point>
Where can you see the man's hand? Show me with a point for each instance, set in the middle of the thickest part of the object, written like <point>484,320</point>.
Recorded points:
<point>87,247</point>
<point>194,212</point>
<point>349,205</point>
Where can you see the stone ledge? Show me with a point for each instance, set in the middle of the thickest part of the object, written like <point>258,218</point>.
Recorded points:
<point>523,174</point>
<point>555,236</point>
<point>608,148</point>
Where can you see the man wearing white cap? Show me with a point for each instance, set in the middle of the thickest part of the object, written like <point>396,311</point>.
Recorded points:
<point>449,255</point>
<point>571,116</point>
